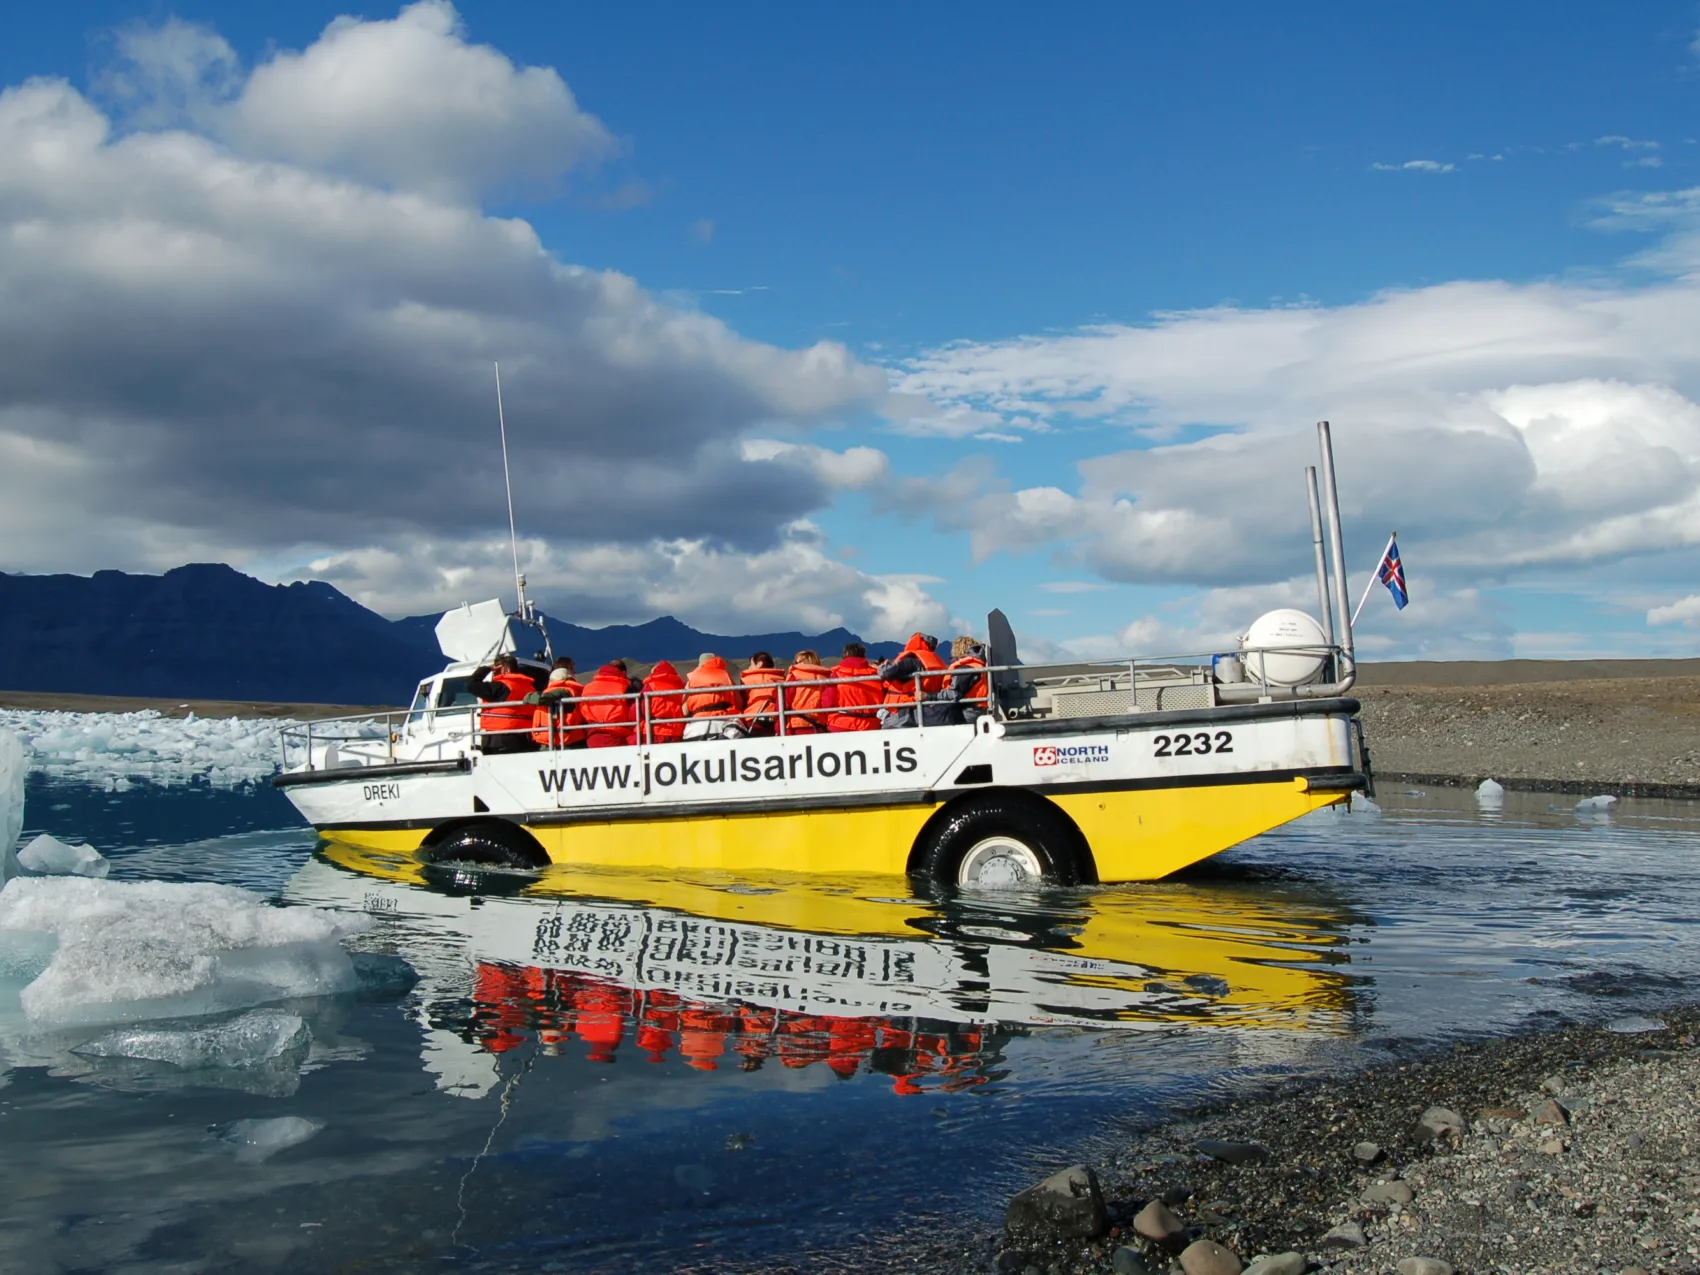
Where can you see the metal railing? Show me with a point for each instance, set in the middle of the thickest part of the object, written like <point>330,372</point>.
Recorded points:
<point>1012,691</point>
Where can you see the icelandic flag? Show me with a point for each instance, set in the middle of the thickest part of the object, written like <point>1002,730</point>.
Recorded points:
<point>1391,572</point>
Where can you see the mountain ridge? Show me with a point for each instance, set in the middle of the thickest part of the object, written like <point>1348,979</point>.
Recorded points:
<point>208,631</point>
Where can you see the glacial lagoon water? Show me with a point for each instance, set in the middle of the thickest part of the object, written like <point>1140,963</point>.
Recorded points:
<point>610,1071</point>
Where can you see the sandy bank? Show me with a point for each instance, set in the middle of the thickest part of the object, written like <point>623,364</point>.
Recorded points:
<point>1634,736</point>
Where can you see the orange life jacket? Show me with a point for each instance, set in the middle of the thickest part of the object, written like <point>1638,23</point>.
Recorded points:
<point>761,698</point>
<point>609,721</point>
<point>713,692</point>
<point>509,714</point>
<point>804,699</point>
<point>563,710</point>
<point>976,696</point>
<point>664,677</point>
<point>858,702</point>
<point>904,692</point>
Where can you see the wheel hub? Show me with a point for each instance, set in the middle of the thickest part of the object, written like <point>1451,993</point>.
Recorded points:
<point>1000,862</point>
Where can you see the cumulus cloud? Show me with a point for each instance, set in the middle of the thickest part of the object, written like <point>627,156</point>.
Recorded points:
<point>406,102</point>
<point>268,330</point>
<point>1502,429</point>
<point>1684,611</point>
<point>794,583</point>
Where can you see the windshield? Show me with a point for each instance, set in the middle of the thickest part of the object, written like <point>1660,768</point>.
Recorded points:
<point>421,702</point>
<point>454,693</point>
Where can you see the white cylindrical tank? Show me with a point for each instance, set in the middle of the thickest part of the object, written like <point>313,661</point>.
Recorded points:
<point>1285,628</point>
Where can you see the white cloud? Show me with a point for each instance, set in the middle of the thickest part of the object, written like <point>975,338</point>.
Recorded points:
<point>208,351</point>
<point>796,583</point>
<point>855,468</point>
<point>1414,166</point>
<point>1684,611</point>
<point>405,102</point>
<point>1503,429</point>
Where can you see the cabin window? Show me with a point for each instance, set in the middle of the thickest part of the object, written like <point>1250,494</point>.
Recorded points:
<point>421,702</point>
<point>454,693</point>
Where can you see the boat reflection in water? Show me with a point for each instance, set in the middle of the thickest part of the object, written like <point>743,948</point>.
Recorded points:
<point>722,973</point>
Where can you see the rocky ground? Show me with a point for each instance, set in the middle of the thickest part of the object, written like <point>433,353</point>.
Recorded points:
<point>1621,734</point>
<point>1568,1151</point>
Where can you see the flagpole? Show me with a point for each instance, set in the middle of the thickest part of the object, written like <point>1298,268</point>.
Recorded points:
<point>1374,576</point>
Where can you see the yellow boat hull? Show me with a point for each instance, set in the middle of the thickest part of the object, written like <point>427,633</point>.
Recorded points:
<point>1134,835</point>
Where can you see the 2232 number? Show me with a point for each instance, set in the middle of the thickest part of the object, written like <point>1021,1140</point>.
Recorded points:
<point>1198,745</point>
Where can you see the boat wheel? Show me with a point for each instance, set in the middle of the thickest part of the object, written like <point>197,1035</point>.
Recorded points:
<point>999,840</point>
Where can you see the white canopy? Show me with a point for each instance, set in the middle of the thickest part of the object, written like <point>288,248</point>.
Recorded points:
<point>475,632</point>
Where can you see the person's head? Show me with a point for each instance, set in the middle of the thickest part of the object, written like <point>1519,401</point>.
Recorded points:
<point>963,647</point>
<point>506,663</point>
<point>619,664</point>
<point>565,662</point>
<point>761,659</point>
<point>855,651</point>
<point>560,676</point>
<point>706,658</point>
<point>806,657</point>
<point>931,641</point>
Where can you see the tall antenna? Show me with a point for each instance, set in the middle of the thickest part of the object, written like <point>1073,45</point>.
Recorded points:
<point>507,480</point>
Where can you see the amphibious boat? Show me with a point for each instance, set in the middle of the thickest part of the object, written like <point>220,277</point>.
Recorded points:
<point>1078,772</point>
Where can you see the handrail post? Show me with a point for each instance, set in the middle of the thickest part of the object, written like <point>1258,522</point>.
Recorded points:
<point>779,704</point>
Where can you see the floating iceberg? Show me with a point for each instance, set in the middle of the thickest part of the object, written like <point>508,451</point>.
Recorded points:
<point>154,949</point>
<point>113,748</point>
<point>1597,803</point>
<point>12,769</point>
<point>49,856</point>
<point>259,1038</point>
<point>257,1140</point>
<point>1490,794</point>
<point>1634,1025</point>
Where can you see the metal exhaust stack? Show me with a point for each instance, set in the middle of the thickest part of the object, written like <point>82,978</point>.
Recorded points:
<point>1342,604</point>
<point>1324,608</point>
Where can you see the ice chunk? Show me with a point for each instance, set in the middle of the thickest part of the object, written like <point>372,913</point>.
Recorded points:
<point>1597,803</point>
<point>153,949</point>
<point>1358,804</point>
<point>11,799</point>
<point>1634,1025</point>
<point>258,1038</point>
<point>113,748</point>
<point>257,1140</point>
<point>1490,794</point>
<point>49,856</point>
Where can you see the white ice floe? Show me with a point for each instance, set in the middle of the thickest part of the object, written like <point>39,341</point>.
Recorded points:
<point>114,748</point>
<point>1597,803</point>
<point>49,856</point>
<point>257,1140</point>
<point>259,1038</point>
<point>151,949</point>
<point>1634,1025</point>
<point>1490,794</point>
<point>12,769</point>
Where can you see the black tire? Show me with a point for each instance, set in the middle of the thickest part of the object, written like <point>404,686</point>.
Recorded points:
<point>486,848</point>
<point>1025,835</point>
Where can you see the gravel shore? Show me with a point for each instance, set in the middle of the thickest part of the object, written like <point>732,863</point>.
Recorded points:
<point>1576,1150</point>
<point>1629,736</point>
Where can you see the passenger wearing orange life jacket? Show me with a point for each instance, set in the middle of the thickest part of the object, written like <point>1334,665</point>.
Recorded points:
<point>803,702</point>
<point>965,699</point>
<point>662,679</point>
<point>917,656</point>
<point>711,698</point>
<point>507,721</point>
<point>554,719</point>
<point>853,705</point>
<point>609,723</point>
<point>761,699</point>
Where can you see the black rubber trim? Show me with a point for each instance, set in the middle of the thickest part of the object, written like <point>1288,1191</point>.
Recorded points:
<point>1222,714</point>
<point>359,774</point>
<point>1322,779</point>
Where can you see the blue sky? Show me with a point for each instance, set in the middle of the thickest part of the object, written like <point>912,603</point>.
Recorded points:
<point>1050,236</point>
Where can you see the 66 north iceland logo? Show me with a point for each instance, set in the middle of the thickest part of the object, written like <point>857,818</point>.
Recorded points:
<point>1070,754</point>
